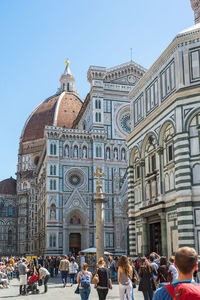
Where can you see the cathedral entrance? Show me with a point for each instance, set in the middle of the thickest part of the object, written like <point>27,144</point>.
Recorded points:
<point>155,238</point>
<point>74,242</point>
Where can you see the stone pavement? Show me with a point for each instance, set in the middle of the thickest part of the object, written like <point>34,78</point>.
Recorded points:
<point>57,292</point>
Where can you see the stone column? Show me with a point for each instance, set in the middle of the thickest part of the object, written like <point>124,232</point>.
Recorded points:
<point>99,215</point>
<point>164,234</point>
<point>131,208</point>
<point>183,185</point>
<point>144,237</point>
<point>99,230</point>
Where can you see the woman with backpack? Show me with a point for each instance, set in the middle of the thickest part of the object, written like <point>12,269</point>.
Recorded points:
<point>84,281</point>
<point>146,284</point>
<point>165,275</point>
<point>104,282</point>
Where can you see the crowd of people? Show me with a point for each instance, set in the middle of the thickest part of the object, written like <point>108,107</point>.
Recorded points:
<point>155,276</point>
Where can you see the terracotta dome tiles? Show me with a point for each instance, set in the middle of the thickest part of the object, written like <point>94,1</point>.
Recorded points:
<point>8,186</point>
<point>68,109</point>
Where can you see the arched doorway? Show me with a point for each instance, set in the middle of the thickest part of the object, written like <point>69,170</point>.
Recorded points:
<point>74,242</point>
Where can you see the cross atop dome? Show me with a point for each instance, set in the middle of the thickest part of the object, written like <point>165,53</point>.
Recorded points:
<point>196,8</point>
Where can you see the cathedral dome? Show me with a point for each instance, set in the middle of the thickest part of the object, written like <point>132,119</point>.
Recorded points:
<point>8,186</point>
<point>59,110</point>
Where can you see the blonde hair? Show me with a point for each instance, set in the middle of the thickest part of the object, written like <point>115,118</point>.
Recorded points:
<point>124,264</point>
<point>85,266</point>
<point>101,261</point>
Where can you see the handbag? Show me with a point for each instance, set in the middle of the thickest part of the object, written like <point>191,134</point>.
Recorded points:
<point>95,279</point>
<point>77,290</point>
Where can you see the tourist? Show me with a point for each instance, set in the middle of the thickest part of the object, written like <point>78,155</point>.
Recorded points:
<point>135,277</point>
<point>57,263</point>
<point>173,268</point>
<point>104,281</point>
<point>113,268</point>
<point>31,268</point>
<point>154,265</point>
<point>51,266</point>
<point>84,281</point>
<point>73,268</point>
<point>165,275</point>
<point>3,277</point>
<point>64,269</point>
<point>146,284</point>
<point>44,273</point>
<point>23,270</point>
<point>125,274</point>
<point>186,260</point>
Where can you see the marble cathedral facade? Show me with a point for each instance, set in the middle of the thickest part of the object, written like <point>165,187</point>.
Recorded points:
<point>164,144</point>
<point>55,177</point>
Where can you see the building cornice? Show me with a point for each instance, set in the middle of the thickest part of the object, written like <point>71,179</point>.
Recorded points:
<point>183,38</point>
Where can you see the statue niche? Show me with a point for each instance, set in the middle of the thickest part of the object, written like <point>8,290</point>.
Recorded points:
<point>53,212</point>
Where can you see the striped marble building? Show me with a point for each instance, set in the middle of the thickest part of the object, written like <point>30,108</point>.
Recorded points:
<point>164,145</point>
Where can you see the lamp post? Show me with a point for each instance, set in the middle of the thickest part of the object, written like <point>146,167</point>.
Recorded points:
<point>100,200</point>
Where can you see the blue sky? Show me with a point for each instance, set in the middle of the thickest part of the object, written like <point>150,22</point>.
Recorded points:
<point>37,36</point>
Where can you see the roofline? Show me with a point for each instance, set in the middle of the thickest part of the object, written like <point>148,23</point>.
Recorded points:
<point>179,38</point>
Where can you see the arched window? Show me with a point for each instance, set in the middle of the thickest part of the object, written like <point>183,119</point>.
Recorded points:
<point>52,184</point>
<point>98,117</point>
<point>98,104</point>
<point>10,211</point>
<point>84,126</point>
<point>10,237</point>
<point>194,135</point>
<point>98,151</point>
<point>52,169</point>
<point>52,240</point>
<point>195,174</point>
<point>52,149</point>
<point>168,146</point>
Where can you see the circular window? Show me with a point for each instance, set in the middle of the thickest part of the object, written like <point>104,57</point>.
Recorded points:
<point>123,120</point>
<point>74,179</point>
<point>126,123</point>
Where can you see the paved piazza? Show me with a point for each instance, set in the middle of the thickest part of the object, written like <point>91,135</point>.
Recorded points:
<point>56,291</point>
